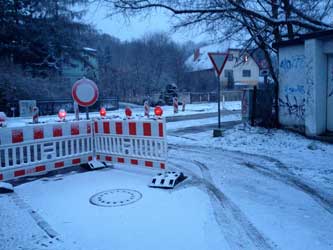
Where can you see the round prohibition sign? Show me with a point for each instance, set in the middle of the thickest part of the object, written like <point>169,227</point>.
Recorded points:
<point>85,92</point>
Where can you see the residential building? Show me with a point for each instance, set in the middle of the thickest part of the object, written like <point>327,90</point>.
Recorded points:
<point>240,69</point>
<point>86,65</point>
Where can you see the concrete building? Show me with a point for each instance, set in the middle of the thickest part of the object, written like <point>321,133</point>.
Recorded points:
<point>238,70</point>
<point>74,69</point>
<point>306,83</point>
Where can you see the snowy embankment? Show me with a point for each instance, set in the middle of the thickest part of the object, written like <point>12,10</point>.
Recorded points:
<point>138,111</point>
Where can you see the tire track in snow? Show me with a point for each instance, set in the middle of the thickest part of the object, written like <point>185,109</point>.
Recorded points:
<point>292,181</point>
<point>238,231</point>
<point>282,173</point>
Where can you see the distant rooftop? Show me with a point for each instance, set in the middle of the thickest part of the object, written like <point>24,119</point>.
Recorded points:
<point>200,61</point>
<point>89,49</point>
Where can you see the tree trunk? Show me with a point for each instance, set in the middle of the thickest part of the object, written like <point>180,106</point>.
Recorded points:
<point>287,10</point>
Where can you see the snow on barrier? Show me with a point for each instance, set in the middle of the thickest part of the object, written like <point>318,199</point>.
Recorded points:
<point>44,147</point>
<point>38,148</point>
<point>131,142</point>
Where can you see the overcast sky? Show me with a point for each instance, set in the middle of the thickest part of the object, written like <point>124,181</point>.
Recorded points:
<point>136,27</point>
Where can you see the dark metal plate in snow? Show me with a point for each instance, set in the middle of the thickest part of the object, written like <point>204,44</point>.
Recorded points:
<point>115,197</point>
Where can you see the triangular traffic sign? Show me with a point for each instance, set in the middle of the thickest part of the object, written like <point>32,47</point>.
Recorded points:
<point>218,60</point>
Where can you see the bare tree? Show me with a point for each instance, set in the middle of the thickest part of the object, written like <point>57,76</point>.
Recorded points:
<point>263,21</point>
<point>257,23</point>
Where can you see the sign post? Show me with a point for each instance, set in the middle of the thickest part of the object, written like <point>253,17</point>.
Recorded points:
<point>85,93</point>
<point>218,60</point>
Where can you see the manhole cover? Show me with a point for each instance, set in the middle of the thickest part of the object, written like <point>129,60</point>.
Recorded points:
<point>115,197</point>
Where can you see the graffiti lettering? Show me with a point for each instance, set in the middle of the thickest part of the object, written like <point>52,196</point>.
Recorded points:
<point>295,62</point>
<point>296,108</point>
<point>299,89</point>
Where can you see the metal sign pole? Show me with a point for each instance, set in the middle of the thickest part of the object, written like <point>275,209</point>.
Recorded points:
<point>219,100</point>
<point>87,113</point>
<point>218,60</point>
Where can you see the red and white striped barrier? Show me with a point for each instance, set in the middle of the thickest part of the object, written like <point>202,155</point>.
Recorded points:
<point>175,105</point>
<point>35,114</point>
<point>38,148</point>
<point>44,147</point>
<point>146,108</point>
<point>76,110</point>
<point>131,142</point>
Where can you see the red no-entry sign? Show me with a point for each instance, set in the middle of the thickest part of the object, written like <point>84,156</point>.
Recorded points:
<point>85,92</point>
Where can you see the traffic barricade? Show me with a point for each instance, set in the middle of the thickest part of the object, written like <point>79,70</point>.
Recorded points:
<point>37,148</point>
<point>136,142</point>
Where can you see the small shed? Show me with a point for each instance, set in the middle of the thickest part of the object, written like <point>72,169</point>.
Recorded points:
<point>306,83</point>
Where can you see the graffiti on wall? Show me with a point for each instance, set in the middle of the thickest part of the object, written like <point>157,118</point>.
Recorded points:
<point>294,90</point>
<point>293,107</point>
<point>292,63</point>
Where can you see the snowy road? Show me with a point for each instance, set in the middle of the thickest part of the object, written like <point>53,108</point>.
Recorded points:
<point>251,189</point>
<point>257,209</point>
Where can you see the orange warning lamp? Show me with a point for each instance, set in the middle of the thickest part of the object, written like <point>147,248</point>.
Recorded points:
<point>128,112</point>
<point>102,112</point>
<point>62,114</point>
<point>158,111</point>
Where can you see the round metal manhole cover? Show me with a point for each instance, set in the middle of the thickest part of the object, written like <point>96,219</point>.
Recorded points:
<point>115,197</point>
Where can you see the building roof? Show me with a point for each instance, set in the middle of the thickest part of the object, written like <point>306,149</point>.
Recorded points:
<point>202,61</point>
<point>199,61</point>
<point>300,40</point>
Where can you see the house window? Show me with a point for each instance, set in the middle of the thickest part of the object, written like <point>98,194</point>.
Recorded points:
<point>246,73</point>
<point>228,72</point>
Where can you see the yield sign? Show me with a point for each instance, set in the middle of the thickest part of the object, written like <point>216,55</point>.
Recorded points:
<point>218,60</point>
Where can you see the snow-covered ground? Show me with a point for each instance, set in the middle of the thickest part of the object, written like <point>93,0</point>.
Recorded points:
<point>277,181</point>
<point>160,218</point>
<point>251,189</point>
<point>137,111</point>
<point>304,158</point>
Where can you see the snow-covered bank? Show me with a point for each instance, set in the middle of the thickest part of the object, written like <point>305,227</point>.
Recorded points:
<point>172,126</point>
<point>137,112</point>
